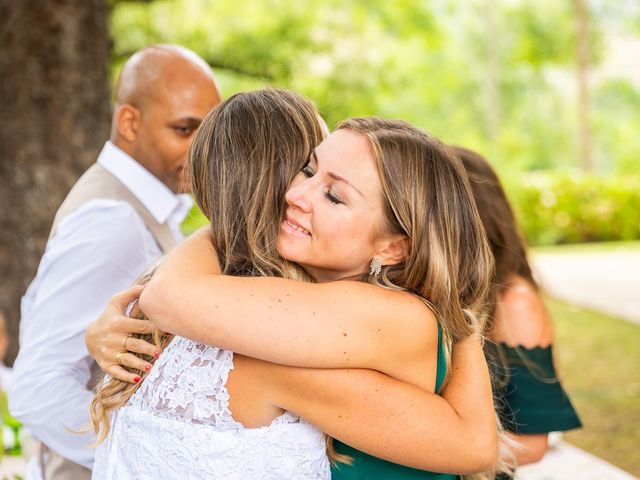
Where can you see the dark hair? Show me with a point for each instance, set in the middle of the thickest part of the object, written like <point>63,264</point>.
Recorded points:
<point>505,240</point>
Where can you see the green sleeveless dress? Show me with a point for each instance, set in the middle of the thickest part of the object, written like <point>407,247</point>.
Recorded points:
<point>529,396</point>
<point>368,467</point>
<point>530,399</point>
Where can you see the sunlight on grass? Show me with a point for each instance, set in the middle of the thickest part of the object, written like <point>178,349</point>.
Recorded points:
<point>599,361</point>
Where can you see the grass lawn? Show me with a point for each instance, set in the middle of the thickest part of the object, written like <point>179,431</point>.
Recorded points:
<point>599,361</point>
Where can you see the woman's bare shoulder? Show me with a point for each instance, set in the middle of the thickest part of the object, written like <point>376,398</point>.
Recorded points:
<point>396,314</point>
<point>521,317</point>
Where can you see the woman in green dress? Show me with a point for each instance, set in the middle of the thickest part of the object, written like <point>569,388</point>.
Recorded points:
<point>394,213</point>
<point>529,395</point>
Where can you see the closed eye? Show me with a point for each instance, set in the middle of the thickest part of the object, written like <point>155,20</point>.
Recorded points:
<point>307,171</point>
<point>331,198</point>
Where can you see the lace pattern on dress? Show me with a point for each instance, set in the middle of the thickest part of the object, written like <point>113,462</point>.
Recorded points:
<point>178,425</point>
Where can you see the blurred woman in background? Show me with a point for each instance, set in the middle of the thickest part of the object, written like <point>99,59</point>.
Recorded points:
<point>529,395</point>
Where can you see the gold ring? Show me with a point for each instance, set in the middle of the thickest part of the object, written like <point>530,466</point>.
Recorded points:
<point>119,357</point>
<point>124,343</point>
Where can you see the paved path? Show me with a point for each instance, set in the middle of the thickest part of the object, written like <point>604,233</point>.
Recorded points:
<point>562,462</point>
<point>12,467</point>
<point>604,281</point>
<point>566,462</point>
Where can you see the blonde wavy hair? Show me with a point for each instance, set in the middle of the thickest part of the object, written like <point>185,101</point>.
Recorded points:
<point>429,199</point>
<point>449,265</point>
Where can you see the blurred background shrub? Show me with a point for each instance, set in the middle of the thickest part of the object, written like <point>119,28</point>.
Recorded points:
<point>557,208</point>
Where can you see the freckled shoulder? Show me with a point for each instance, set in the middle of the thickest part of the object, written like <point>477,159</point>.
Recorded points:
<point>412,318</point>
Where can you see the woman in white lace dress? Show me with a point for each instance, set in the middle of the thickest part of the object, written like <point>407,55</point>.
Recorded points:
<point>179,423</point>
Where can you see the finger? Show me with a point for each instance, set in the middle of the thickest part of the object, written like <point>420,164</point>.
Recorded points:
<point>124,298</point>
<point>135,311</point>
<point>155,327</point>
<point>119,373</point>
<point>137,345</point>
<point>129,325</point>
<point>133,361</point>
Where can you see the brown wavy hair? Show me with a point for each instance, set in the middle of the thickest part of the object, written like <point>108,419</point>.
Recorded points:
<point>510,254</point>
<point>243,157</point>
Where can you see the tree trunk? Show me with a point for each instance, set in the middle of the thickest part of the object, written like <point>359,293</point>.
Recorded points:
<point>492,76</point>
<point>582,61</point>
<point>54,117</point>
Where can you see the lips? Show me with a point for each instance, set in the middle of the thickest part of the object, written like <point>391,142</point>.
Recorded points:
<point>294,227</point>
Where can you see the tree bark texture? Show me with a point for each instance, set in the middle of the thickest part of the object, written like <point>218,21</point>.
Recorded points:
<point>54,118</point>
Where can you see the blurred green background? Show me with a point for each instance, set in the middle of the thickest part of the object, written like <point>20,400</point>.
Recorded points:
<point>502,77</point>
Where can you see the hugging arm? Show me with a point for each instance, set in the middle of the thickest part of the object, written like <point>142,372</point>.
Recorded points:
<point>397,421</point>
<point>382,416</point>
<point>404,424</point>
<point>332,325</point>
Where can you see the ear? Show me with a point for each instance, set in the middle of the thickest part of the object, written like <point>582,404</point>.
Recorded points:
<point>393,249</point>
<point>4,344</point>
<point>128,122</point>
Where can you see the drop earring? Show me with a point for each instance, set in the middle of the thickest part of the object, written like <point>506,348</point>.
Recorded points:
<point>375,267</point>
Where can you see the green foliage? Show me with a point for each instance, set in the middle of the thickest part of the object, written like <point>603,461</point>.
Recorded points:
<point>563,208</point>
<point>426,62</point>
<point>540,34</point>
<point>619,146</point>
<point>194,221</point>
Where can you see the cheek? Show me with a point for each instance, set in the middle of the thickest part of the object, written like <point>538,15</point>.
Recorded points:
<point>179,146</point>
<point>173,151</point>
<point>361,236</point>
<point>343,233</point>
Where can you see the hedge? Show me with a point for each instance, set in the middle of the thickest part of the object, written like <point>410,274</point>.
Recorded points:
<point>561,208</point>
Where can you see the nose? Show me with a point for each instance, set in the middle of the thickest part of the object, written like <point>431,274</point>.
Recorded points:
<point>298,195</point>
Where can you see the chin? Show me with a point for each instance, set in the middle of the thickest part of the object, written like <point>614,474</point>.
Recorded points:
<point>288,252</point>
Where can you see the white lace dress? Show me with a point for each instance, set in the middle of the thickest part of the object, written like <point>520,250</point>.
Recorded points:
<point>178,426</point>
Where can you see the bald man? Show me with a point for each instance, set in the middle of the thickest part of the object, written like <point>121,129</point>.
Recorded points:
<point>119,218</point>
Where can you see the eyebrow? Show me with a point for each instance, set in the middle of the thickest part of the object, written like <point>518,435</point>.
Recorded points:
<point>337,177</point>
<point>190,121</point>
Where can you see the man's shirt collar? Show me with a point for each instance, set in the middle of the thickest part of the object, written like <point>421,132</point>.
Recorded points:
<point>164,205</point>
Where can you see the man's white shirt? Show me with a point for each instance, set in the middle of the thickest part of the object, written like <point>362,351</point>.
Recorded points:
<point>98,250</point>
